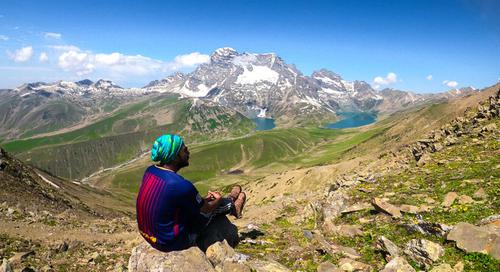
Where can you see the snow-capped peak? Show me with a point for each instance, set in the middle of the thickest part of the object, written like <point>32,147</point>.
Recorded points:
<point>105,84</point>
<point>225,51</point>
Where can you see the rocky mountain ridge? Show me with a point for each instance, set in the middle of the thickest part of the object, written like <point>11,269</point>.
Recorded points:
<point>261,85</point>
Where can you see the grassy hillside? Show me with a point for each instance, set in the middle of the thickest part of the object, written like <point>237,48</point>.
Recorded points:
<point>99,129</point>
<point>127,133</point>
<point>217,164</point>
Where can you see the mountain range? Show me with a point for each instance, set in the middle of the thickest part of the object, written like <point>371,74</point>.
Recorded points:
<point>254,85</point>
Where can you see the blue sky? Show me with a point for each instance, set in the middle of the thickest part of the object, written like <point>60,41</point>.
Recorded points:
<point>423,46</point>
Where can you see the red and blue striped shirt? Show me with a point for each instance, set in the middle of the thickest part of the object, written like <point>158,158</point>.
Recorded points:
<point>168,209</point>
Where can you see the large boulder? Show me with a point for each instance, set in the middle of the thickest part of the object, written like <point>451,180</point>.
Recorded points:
<point>470,238</point>
<point>219,251</point>
<point>146,258</point>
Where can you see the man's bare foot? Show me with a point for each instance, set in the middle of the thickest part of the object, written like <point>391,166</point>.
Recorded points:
<point>239,203</point>
<point>235,192</point>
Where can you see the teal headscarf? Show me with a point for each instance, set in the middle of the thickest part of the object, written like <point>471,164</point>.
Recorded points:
<point>166,148</point>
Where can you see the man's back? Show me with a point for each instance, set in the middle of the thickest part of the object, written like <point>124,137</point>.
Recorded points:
<point>168,209</point>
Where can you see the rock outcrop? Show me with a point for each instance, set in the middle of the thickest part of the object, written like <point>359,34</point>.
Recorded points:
<point>448,134</point>
<point>483,239</point>
<point>146,258</point>
<point>424,252</point>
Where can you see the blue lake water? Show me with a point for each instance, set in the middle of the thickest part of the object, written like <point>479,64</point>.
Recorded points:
<point>264,123</point>
<point>353,119</point>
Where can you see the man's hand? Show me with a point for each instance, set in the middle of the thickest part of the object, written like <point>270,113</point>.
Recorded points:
<point>212,201</point>
<point>213,196</point>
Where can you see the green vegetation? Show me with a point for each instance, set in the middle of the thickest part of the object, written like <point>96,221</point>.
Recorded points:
<point>463,168</point>
<point>93,131</point>
<point>257,154</point>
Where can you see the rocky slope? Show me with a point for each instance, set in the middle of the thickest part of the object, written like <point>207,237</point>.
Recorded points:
<point>434,206</point>
<point>51,224</point>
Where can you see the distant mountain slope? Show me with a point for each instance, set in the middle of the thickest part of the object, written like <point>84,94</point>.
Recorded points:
<point>36,108</point>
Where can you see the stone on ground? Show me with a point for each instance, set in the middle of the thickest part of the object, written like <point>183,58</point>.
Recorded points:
<point>449,198</point>
<point>146,258</point>
<point>429,228</point>
<point>386,207</point>
<point>388,247</point>
<point>218,252</point>
<point>423,251</point>
<point>230,266</point>
<point>334,204</point>
<point>480,194</point>
<point>327,267</point>
<point>342,230</point>
<point>5,266</point>
<point>442,268</point>
<point>398,264</point>
<point>267,266</point>
<point>470,238</point>
<point>347,264</point>
<point>409,209</point>
<point>20,256</point>
<point>357,207</point>
<point>465,199</point>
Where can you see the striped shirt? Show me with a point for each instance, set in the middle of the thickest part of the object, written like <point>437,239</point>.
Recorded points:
<point>168,209</point>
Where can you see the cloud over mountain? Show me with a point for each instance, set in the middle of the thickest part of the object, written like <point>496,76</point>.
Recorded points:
<point>116,64</point>
<point>22,54</point>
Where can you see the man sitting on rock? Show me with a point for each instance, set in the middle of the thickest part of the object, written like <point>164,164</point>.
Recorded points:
<point>170,211</point>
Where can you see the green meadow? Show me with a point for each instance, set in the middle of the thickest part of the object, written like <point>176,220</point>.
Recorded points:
<point>215,165</point>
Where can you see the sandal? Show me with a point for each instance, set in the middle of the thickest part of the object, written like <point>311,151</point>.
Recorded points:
<point>239,203</point>
<point>235,192</point>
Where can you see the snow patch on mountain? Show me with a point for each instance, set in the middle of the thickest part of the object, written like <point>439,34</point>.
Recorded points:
<point>257,74</point>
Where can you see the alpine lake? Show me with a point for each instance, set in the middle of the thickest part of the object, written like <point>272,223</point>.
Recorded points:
<point>348,120</point>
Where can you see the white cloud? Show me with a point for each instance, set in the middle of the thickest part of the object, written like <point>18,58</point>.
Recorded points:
<point>381,81</point>
<point>4,38</point>
<point>429,77</point>
<point>76,61</point>
<point>450,83</point>
<point>43,57</point>
<point>118,65</point>
<point>52,35</point>
<point>189,60</point>
<point>64,47</point>
<point>22,54</point>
